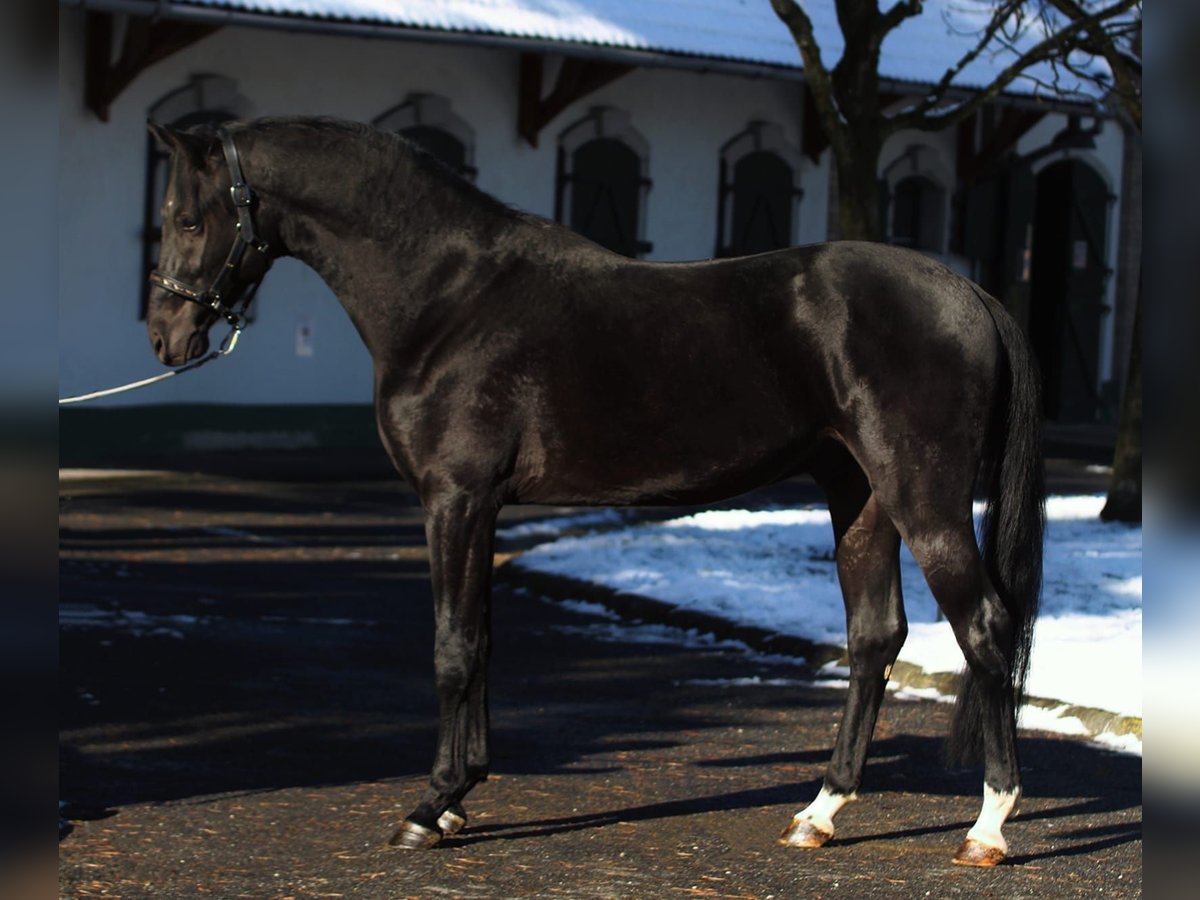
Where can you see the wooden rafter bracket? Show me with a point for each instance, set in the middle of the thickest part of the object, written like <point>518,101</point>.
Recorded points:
<point>576,79</point>
<point>145,42</point>
<point>976,160</point>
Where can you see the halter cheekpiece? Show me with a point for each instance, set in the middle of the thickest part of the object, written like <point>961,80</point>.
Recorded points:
<point>213,297</point>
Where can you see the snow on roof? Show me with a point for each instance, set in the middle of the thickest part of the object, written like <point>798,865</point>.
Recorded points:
<point>744,31</point>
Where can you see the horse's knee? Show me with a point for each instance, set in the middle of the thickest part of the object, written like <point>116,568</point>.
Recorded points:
<point>453,678</point>
<point>457,663</point>
<point>876,643</point>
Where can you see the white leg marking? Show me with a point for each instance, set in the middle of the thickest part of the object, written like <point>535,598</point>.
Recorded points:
<point>997,807</point>
<point>822,810</point>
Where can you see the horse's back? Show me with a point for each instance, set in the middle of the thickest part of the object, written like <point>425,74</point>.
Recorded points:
<point>794,335</point>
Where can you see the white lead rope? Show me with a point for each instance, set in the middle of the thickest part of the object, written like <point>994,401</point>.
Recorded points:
<point>225,349</point>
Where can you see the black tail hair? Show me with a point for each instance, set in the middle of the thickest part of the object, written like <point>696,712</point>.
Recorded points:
<point>1013,525</point>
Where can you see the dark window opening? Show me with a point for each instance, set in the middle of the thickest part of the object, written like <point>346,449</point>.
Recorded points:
<point>429,122</point>
<point>917,214</point>
<point>762,192</point>
<point>1068,290</point>
<point>605,186</point>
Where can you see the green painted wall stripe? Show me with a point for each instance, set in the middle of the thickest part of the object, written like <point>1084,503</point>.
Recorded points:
<point>89,436</point>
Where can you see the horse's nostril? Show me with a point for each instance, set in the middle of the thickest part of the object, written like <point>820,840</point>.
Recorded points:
<point>158,343</point>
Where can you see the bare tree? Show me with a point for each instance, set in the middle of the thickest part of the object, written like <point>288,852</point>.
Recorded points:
<point>1068,36</point>
<point>854,111</point>
<point>1119,45</point>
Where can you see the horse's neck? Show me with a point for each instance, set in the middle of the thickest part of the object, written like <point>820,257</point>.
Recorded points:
<point>375,229</point>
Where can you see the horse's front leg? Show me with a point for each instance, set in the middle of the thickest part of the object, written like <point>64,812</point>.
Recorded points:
<point>460,530</point>
<point>868,564</point>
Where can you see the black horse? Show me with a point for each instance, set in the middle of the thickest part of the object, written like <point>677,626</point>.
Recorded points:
<point>517,362</point>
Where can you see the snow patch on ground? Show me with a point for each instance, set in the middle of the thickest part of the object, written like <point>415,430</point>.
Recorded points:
<point>132,622</point>
<point>774,569</point>
<point>542,527</point>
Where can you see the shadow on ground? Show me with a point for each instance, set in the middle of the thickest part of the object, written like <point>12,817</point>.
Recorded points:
<point>205,653</point>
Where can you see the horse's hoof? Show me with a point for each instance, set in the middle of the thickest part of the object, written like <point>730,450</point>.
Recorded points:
<point>453,820</point>
<point>803,833</point>
<point>411,836</point>
<point>976,853</point>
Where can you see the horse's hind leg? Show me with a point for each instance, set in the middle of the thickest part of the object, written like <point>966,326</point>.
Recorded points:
<point>983,627</point>
<point>868,561</point>
<point>460,530</point>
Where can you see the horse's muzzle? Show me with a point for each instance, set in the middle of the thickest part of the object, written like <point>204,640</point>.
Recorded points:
<point>170,352</point>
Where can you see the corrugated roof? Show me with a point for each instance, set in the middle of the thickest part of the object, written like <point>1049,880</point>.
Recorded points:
<point>745,31</point>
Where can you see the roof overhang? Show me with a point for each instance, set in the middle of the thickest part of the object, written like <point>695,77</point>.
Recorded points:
<point>219,16</point>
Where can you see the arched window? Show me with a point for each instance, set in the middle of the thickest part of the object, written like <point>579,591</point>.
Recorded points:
<point>916,200</point>
<point>756,208</point>
<point>206,99</point>
<point>602,182</point>
<point>917,213</point>
<point>428,121</point>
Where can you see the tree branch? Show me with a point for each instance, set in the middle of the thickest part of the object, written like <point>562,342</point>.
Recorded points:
<point>1059,43</point>
<point>903,9</point>
<point>1126,68</point>
<point>816,76</point>
<point>1001,14</point>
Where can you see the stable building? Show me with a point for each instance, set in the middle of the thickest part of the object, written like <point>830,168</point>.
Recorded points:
<point>664,131</point>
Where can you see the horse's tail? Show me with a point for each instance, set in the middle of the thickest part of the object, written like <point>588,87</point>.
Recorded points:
<point>1013,523</point>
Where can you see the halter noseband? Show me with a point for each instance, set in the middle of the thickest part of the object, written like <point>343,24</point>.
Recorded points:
<point>213,297</point>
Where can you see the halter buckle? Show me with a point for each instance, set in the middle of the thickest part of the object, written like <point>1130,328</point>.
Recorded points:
<point>241,194</point>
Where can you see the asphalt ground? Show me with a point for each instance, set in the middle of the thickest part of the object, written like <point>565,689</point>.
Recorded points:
<point>247,710</point>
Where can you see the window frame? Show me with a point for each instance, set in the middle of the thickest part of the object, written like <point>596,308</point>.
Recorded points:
<point>603,123</point>
<point>757,137</point>
<point>923,162</point>
<point>928,194</point>
<point>423,110</point>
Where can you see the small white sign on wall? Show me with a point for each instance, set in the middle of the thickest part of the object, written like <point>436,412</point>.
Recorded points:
<point>1079,254</point>
<point>304,337</point>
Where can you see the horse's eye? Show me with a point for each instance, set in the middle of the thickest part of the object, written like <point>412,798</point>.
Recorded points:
<point>187,222</point>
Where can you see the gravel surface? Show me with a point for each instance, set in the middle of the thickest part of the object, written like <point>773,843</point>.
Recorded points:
<point>247,710</point>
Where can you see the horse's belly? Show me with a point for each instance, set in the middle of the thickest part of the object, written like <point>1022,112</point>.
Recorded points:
<point>657,469</point>
<point>686,418</point>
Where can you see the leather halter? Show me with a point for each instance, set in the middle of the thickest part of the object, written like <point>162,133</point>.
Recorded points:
<point>213,297</point>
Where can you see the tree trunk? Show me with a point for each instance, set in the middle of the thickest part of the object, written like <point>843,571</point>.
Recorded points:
<point>1125,485</point>
<point>858,195</point>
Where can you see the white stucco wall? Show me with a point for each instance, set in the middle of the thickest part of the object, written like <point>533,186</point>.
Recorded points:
<point>684,116</point>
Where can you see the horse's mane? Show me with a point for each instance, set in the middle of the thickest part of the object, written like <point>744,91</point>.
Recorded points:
<point>388,147</point>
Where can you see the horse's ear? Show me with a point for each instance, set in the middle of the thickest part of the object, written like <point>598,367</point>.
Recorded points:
<point>161,134</point>
<point>196,148</point>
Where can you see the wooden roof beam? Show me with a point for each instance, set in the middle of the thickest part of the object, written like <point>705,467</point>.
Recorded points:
<point>577,78</point>
<point>980,153</point>
<point>145,42</point>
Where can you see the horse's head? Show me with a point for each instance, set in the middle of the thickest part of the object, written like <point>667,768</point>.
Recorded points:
<point>204,266</point>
